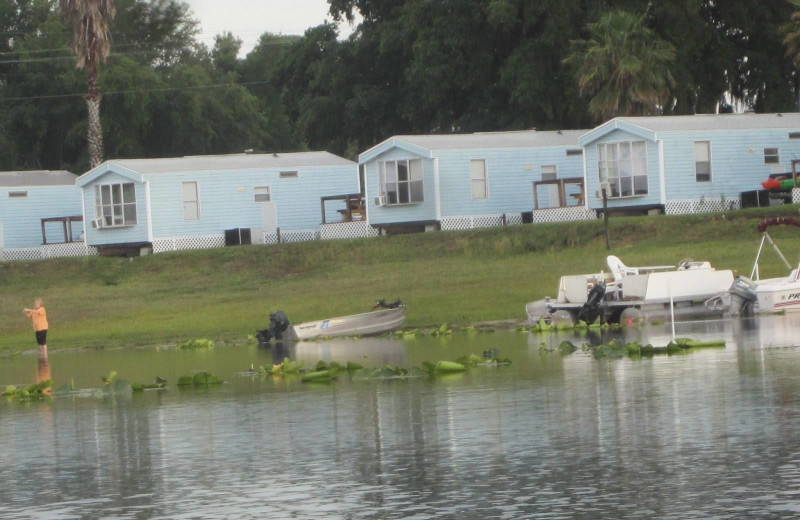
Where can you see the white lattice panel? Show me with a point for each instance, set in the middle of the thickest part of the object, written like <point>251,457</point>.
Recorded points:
<point>200,242</point>
<point>513,219</point>
<point>300,235</point>
<point>471,222</point>
<point>162,245</point>
<point>67,249</point>
<point>702,205</point>
<point>22,253</point>
<point>47,251</point>
<point>570,214</point>
<point>270,237</point>
<point>345,230</point>
<point>795,195</point>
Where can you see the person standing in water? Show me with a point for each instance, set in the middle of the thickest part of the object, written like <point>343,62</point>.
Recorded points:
<point>38,316</point>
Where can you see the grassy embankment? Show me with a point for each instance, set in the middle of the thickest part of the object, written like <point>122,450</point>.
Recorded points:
<point>452,277</point>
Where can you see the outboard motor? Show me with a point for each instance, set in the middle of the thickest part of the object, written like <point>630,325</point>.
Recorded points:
<point>383,304</point>
<point>593,309</point>
<point>278,323</point>
<point>743,297</point>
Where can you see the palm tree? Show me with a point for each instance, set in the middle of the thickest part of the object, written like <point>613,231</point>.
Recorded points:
<point>791,39</point>
<point>91,42</point>
<point>624,66</point>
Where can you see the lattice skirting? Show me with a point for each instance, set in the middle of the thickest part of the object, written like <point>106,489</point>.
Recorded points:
<point>513,219</point>
<point>161,245</point>
<point>541,216</point>
<point>795,195</point>
<point>471,222</point>
<point>47,251</point>
<point>702,205</point>
<point>345,230</point>
<point>299,235</point>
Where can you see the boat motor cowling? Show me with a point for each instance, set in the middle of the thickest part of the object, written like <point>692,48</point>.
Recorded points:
<point>278,323</point>
<point>742,297</point>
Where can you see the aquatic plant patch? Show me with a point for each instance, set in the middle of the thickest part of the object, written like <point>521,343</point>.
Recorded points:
<point>39,390</point>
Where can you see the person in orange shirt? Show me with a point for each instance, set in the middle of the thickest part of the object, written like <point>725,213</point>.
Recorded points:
<point>38,316</point>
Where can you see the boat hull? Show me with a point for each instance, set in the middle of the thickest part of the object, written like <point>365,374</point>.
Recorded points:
<point>778,296</point>
<point>366,324</point>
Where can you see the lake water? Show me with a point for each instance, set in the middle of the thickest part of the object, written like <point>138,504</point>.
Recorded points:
<point>712,432</point>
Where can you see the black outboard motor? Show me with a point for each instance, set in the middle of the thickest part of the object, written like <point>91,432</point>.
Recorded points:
<point>593,309</point>
<point>278,323</point>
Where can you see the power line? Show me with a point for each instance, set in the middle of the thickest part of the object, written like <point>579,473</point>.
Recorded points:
<point>138,91</point>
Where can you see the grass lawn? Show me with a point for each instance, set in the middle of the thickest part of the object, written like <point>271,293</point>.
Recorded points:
<point>445,277</point>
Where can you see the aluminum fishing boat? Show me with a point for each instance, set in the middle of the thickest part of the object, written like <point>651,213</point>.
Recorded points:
<point>386,317</point>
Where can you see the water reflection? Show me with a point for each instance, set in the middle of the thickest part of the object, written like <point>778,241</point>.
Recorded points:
<point>713,433</point>
<point>43,369</point>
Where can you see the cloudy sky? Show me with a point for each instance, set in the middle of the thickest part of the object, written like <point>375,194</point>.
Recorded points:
<point>248,19</point>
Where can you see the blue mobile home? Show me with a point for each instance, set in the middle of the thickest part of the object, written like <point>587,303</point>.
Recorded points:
<point>39,205</point>
<point>681,164</point>
<point>189,202</point>
<point>428,181</point>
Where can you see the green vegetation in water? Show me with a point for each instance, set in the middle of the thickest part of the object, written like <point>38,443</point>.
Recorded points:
<point>566,348</point>
<point>196,343</point>
<point>199,379</point>
<point>36,391</point>
<point>110,378</point>
<point>157,384</point>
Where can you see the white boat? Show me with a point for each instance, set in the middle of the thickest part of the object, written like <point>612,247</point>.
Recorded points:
<point>774,294</point>
<point>652,292</point>
<point>365,324</point>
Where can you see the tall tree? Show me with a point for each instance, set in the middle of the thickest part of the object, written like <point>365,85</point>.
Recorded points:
<point>91,41</point>
<point>624,66</point>
<point>791,38</point>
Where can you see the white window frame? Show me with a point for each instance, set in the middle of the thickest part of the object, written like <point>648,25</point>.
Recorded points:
<point>697,163</point>
<point>18,194</point>
<point>186,201</point>
<point>390,186</point>
<point>266,190</point>
<point>610,160</point>
<point>119,210</point>
<point>479,181</point>
<point>772,157</point>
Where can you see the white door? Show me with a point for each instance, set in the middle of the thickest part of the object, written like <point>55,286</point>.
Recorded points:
<point>269,216</point>
<point>269,213</point>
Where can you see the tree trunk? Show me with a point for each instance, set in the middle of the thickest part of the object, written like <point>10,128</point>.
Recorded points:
<point>94,131</point>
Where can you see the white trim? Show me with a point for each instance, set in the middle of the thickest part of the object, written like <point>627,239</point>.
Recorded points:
<point>366,190</point>
<point>83,212</point>
<point>148,212</point>
<point>586,179</point>
<point>437,195</point>
<point>662,181</point>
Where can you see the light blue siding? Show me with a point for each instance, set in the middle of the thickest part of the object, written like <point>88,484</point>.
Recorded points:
<point>653,196</point>
<point>227,199</point>
<point>510,176</point>
<point>120,235</point>
<point>21,217</point>
<point>737,161</point>
<point>425,211</point>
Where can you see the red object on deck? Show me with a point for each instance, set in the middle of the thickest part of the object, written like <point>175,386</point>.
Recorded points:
<point>771,184</point>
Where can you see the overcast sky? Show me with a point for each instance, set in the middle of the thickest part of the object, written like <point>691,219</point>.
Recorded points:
<point>248,19</point>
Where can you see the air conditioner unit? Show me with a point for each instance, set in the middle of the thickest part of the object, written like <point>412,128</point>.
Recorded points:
<point>97,223</point>
<point>380,201</point>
